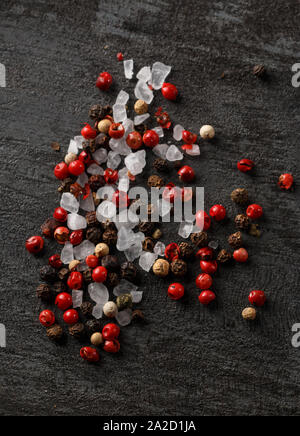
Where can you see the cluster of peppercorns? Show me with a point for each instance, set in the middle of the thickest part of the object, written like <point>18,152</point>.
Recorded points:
<point>102,266</point>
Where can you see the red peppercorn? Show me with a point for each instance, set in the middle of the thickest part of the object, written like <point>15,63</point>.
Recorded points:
<point>134,140</point>
<point>71,316</point>
<point>88,132</point>
<point>89,354</point>
<point>151,138</point>
<point>61,235</point>
<point>34,244</point>
<point>241,255</point>
<point>111,346</point>
<point>63,301</point>
<point>55,261</point>
<point>206,297</point>
<point>76,168</point>
<point>203,221</point>
<point>245,165</point>
<point>75,280</point>
<point>85,158</point>
<point>111,176</point>
<point>172,252</point>
<point>188,137</point>
<point>99,274</point>
<point>205,253</point>
<point>120,57</point>
<point>186,174</point>
<point>60,214</point>
<point>169,91</point>
<point>104,81</point>
<point>286,181</point>
<point>61,171</point>
<point>255,211</point>
<point>171,193</point>
<point>209,267</point>
<point>176,291</point>
<point>218,212</point>
<point>110,332</point>
<point>116,131</point>
<point>47,318</point>
<point>120,199</point>
<point>92,261</point>
<point>258,298</point>
<point>76,237</point>
<point>204,281</point>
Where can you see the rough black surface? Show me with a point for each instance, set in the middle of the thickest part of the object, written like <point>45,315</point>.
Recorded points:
<point>187,359</point>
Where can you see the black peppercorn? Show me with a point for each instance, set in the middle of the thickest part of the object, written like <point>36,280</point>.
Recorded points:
<point>128,271</point>
<point>101,141</point>
<point>77,330</point>
<point>240,196</point>
<point>199,239</point>
<point>224,256</point>
<point>55,332</point>
<point>242,222</point>
<point>48,274</point>
<point>93,326</point>
<point>44,292</point>
<point>235,240</point>
<point>110,237</point>
<point>87,275</point>
<point>161,165</point>
<point>254,230</point>
<point>179,267</point>
<point>113,279</point>
<point>155,182</point>
<point>96,182</point>
<point>110,262</point>
<point>124,301</point>
<point>148,244</point>
<point>86,309</point>
<point>49,227</point>
<point>94,234</point>
<point>146,227</point>
<point>259,71</point>
<point>63,274</point>
<point>186,250</point>
<point>91,219</point>
<point>96,112</point>
<point>65,185</point>
<point>59,287</point>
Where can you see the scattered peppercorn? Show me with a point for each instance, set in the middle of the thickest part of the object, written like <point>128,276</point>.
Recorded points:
<point>224,256</point>
<point>254,230</point>
<point>63,274</point>
<point>286,181</point>
<point>199,239</point>
<point>157,234</point>
<point>242,222</point>
<point>77,330</point>
<point>110,262</point>
<point>110,237</point>
<point>207,132</point>
<point>93,234</point>
<point>93,326</point>
<point>259,71</point>
<point>141,107</point>
<point>59,287</point>
<point>113,279</point>
<point>187,250</point>
<point>124,301</point>
<point>86,309</point>
<point>161,268</point>
<point>179,267</point>
<point>48,274</point>
<point>96,339</point>
<point>110,309</point>
<point>148,244</point>
<point>55,332</point>
<point>129,271</point>
<point>49,227</point>
<point>44,292</point>
<point>155,182</point>
<point>161,165</point>
<point>235,240</point>
<point>146,227</point>
<point>249,314</point>
<point>240,196</point>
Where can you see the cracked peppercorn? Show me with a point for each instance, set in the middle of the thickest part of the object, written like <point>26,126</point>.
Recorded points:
<point>63,274</point>
<point>59,287</point>
<point>113,279</point>
<point>93,326</point>
<point>161,165</point>
<point>242,222</point>
<point>110,262</point>
<point>93,234</point>
<point>96,182</point>
<point>48,274</point>
<point>155,182</point>
<point>55,332</point>
<point>179,267</point>
<point>186,250</point>
<point>224,256</point>
<point>91,219</point>
<point>148,244</point>
<point>48,227</point>
<point>240,196</point>
<point>235,240</point>
<point>86,309</point>
<point>110,237</point>
<point>44,292</point>
<point>77,330</point>
<point>129,271</point>
<point>199,239</point>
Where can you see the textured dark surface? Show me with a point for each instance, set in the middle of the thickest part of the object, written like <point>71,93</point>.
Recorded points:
<point>187,359</point>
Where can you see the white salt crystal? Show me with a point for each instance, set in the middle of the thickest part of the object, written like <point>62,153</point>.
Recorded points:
<point>122,98</point>
<point>83,250</point>
<point>106,192</point>
<point>159,248</point>
<point>95,169</point>
<point>100,156</point>
<point>87,204</point>
<point>76,222</point>
<point>128,126</point>
<point>127,219</point>
<point>82,179</point>
<point>177,134</point>
<point>106,210</point>
<point>98,293</point>
<point>144,74</point>
<point>73,147</point>
<point>159,131</point>
<point>160,72</point>
<point>136,296</point>
<point>194,151</point>
<point>214,245</point>
<point>164,207</point>
<point>124,317</point>
<point>128,69</point>
<point>82,266</point>
<point>136,162</point>
<point>79,141</point>
<point>69,202</point>
<point>98,311</point>
<point>77,298</point>
<point>161,150</point>
<point>67,254</point>
<point>119,146</point>
<point>143,92</point>
<point>147,260</point>
<point>124,184</point>
<point>134,252</point>
<point>124,287</point>
<point>139,119</point>
<point>185,229</point>
<point>174,154</point>
<point>119,113</point>
<point>114,160</point>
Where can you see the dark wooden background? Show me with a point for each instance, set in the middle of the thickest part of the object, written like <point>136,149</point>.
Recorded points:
<point>186,359</point>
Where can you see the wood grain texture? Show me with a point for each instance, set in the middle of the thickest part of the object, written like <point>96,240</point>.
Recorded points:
<point>186,360</point>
